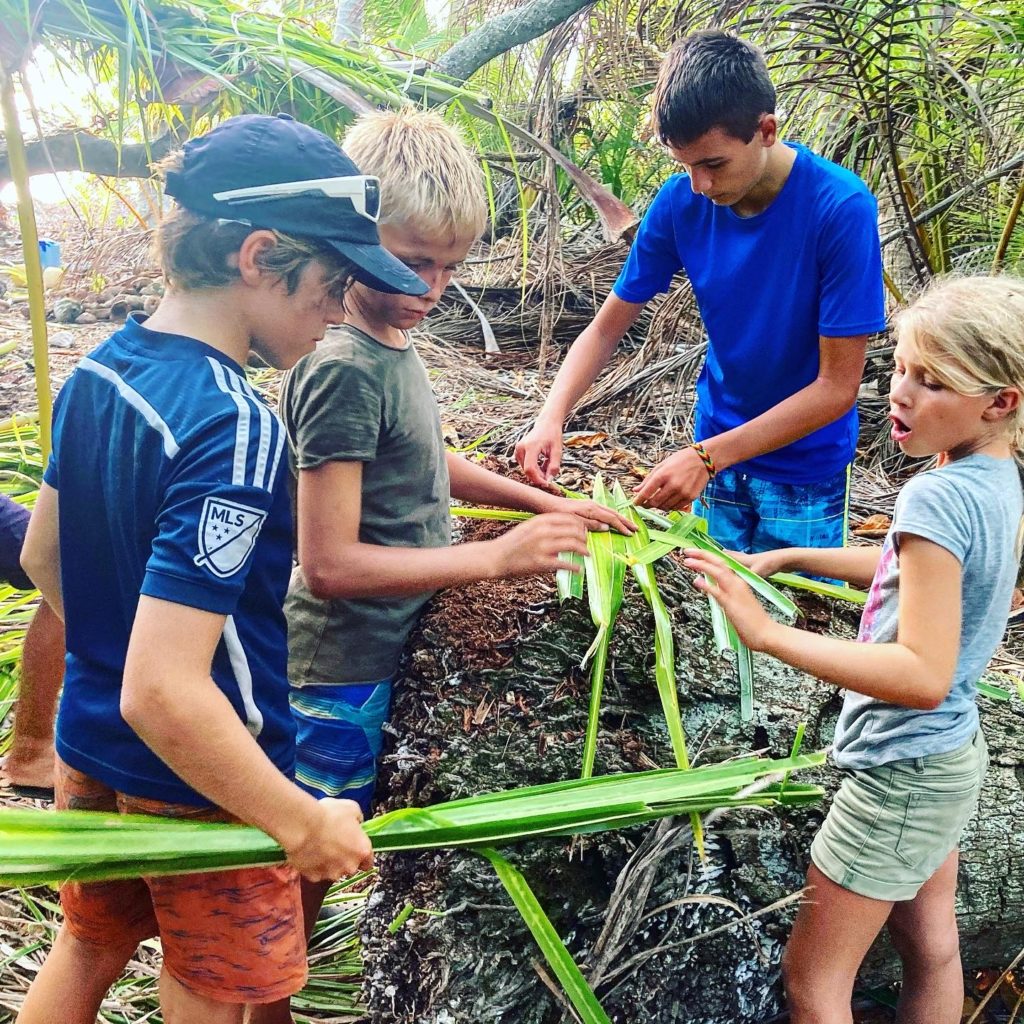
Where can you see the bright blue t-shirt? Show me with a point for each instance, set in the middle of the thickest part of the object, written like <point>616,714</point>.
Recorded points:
<point>767,287</point>
<point>171,483</point>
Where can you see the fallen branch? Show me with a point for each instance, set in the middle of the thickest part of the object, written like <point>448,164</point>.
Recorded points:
<point>79,150</point>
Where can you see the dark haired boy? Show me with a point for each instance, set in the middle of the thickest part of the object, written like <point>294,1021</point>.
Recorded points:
<point>781,248</point>
<point>163,536</point>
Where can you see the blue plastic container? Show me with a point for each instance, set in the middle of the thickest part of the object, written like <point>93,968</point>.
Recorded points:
<point>49,253</point>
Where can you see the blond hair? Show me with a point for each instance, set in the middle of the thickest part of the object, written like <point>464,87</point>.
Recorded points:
<point>429,178</point>
<point>969,333</point>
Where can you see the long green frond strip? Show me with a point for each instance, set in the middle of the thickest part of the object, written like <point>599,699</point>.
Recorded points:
<point>40,847</point>
<point>696,539</point>
<point>565,969</point>
<point>506,515</point>
<point>664,652</point>
<point>838,593</point>
<point>606,576</point>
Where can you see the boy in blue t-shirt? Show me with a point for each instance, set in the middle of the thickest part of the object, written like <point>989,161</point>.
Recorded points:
<point>163,536</point>
<point>781,247</point>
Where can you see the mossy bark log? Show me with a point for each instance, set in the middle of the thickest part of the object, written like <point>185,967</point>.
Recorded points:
<point>462,729</point>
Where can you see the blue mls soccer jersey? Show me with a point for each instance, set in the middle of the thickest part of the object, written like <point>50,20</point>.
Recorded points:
<point>170,481</point>
<point>768,286</point>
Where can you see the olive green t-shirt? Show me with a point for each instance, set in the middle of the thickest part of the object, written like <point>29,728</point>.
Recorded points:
<point>356,400</point>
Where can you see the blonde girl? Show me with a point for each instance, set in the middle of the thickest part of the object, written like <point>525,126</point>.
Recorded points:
<point>940,591</point>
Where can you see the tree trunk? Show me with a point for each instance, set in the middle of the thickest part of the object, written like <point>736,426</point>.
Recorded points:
<point>82,151</point>
<point>348,21</point>
<point>504,31</point>
<point>494,698</point>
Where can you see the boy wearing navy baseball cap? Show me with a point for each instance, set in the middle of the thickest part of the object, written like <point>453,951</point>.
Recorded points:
<point>162,536</point>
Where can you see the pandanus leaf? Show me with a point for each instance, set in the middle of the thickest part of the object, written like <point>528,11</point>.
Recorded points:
<point>39,847</point>
<point>835,591</point>
<point>499,514</point>
<point>606,576</point>
<point>565,969</point>
<point>684,532</point>
<point>664,649</point>
<point>569,583</point>
<point>697,539</point>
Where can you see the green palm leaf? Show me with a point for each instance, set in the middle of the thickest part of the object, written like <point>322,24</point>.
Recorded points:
<point>838,593</point>
<point>685,530</point>
<point>569,583</point>
<point>664,541</point>
<point>606,575</point>
<point>664,651</point>
<point>507,515</point>
<point>38,847</point>
<point>543,931</point>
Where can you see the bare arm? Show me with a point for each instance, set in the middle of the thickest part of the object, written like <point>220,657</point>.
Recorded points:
<point>170,700</point>
<point>540,451</point>
<point>40,553</point>
<point>915,671</point>
<point>479,486</point>
<point>335,563</point>
<point>681,477</point>
<point>854,565</point>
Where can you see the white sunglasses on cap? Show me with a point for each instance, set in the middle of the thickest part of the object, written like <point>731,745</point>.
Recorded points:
<point>362,190</point>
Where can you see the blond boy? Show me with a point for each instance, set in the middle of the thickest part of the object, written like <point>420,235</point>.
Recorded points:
<point>374,480</point>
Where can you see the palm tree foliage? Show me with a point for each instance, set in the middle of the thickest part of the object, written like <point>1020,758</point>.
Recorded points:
<point>924,100</point>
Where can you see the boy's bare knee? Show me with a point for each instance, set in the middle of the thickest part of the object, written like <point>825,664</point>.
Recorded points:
<point>182,1006</point>
<point>100,961</point>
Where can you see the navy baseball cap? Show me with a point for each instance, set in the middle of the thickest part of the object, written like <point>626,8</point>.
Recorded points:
<point>275,172</point>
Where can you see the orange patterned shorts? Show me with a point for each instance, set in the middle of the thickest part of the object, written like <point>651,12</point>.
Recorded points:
<point>236,936</point>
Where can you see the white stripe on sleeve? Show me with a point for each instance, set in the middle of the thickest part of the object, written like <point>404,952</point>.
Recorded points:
<point>259,478</point>
<point>242,427</point>
<point>240,667</point>
<point>277,451</point>
<point>136,401</point>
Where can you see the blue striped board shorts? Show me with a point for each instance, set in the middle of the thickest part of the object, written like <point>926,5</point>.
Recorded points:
<point>745,513</point>
<point>339,735</point>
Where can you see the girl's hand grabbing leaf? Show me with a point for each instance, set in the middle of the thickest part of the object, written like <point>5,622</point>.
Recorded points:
<point>749,619</point>
<point>765,563</point>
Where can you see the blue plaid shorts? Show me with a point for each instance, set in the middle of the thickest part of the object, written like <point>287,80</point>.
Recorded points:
<point>339,734</point>
<point>748,514</point>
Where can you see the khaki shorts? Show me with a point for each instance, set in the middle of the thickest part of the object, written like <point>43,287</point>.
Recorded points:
<point>236,936</point>
<point>891,827</point>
